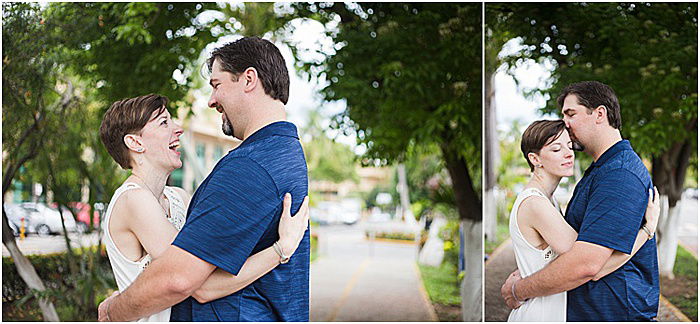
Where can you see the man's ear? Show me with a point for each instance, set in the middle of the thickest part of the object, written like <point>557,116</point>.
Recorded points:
<point>601,114</point>
<point>534,159</point>
<point>134,143</point>
<point>250,77</point>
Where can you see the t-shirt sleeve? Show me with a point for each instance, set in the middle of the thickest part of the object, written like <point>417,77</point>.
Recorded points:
<point>615,211</point>
<point>230,215</point>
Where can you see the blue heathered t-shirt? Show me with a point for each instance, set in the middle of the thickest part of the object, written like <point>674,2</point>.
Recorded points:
<point>607,209</point>
<point>235,213</point>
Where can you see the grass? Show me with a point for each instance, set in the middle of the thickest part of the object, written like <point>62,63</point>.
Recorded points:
<point>442,285</point>
<point>313,254</point>
<point>683,290</point>
<point>502,233</point>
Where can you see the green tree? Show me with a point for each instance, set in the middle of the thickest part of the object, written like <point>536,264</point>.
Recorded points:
<point>647,52</point>
<point>325,158</point>
<point>411,74</point>
<point>131,49</point>
<point>62,65</point>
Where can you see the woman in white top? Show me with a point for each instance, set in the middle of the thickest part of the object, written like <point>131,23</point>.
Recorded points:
<point>537,228</point>
<point>145,215</point>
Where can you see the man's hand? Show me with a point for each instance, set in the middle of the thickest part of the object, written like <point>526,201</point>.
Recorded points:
<point>103,309</point>
<point>507,290</point>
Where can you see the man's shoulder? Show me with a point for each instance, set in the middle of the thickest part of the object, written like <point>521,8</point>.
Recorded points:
<point>276,154</point>
<point>626,165</point>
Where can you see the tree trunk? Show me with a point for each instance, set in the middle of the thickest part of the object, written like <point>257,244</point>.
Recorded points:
<point>668,173</point>
<point>24,266</point>
<point>466,199</point>
<point>491,157</point>
<point>26,270</point>
<point>469,208</point>
<point>406,212</point>
<point>668,237</point>
<point>471,288</point>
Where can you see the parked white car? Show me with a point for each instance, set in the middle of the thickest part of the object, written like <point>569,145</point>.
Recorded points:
<point>39,218</point>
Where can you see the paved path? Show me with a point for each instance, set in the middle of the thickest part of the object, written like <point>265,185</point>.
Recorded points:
<point>354,280</point>
<point>502,263</point>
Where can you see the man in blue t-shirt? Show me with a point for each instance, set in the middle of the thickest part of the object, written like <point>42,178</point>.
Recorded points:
<point>607,210</point>
<point>235,211</point>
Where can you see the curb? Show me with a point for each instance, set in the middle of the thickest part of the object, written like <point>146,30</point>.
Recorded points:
<point>426,297</point>
<point>384,240</point>
<point>496,252</point>
<point>676,312</point>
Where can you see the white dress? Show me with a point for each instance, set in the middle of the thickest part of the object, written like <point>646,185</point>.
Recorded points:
<point>125,270</point>
<point>530,259</point>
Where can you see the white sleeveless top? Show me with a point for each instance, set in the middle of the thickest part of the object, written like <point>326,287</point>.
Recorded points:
<point>125,270</point>
<point>530,259</point>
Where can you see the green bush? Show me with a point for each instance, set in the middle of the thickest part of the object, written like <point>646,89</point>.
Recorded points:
<point>450,235</point>
<point>393,236</point>
<point>75,284</point>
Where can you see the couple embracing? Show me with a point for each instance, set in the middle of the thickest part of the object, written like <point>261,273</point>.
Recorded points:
<point>598,262</point>
<point>232,252</point>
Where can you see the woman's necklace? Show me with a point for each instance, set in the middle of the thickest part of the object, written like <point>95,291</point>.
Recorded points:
<point>154,195</point>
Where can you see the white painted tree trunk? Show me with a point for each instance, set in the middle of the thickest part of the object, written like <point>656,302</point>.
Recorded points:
<point>406,211</point>
<point>491,158</point>
<point>667,238</point>
<point>28,274</point>
<point>490,215</point>
<point>473,265</point>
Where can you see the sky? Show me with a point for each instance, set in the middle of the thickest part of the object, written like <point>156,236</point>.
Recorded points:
<point>511,103</point>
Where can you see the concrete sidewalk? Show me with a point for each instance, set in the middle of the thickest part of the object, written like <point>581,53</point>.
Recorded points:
<point>354,280</point>
<point>502,263</point>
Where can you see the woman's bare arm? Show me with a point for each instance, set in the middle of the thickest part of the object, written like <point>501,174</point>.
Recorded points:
<point>156,234</point>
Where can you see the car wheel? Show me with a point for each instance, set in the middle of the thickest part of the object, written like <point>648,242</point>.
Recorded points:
<point>81,227</point>
<point>43,230</point>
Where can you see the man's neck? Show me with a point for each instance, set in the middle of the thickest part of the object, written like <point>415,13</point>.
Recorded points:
<point>266,114</point>
<point>606,140</point>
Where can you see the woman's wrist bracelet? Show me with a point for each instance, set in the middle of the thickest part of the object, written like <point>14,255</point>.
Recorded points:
<point>512,290</point>
<point>649,233</point>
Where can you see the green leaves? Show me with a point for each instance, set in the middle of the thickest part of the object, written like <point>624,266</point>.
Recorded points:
<point>647,52</point>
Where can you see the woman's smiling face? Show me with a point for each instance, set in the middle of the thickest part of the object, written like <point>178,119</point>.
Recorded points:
<point>161,139</point>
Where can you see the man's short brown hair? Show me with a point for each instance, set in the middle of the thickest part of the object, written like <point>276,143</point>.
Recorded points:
<point>258,53</point>
<point>592,94</point>
<point>539,134</point>
<point>128,116</point>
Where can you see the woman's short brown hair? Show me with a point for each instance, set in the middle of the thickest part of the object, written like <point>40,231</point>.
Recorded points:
<point>539,134</point>
<point>128,116</point>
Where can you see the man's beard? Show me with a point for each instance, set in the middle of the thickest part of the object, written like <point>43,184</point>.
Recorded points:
<point>226,127</point>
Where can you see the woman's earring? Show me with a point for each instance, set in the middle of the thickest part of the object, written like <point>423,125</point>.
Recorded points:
<point>140,149</point>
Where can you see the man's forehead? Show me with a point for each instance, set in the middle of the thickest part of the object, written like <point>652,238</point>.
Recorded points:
<point>570,103</point>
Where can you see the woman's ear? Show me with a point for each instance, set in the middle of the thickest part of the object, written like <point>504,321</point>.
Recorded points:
<point>534,159</point>
<point>134,143</point>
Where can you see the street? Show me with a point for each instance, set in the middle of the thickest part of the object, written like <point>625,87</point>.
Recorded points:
<point>33,244</point>
<point>357,280</point>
